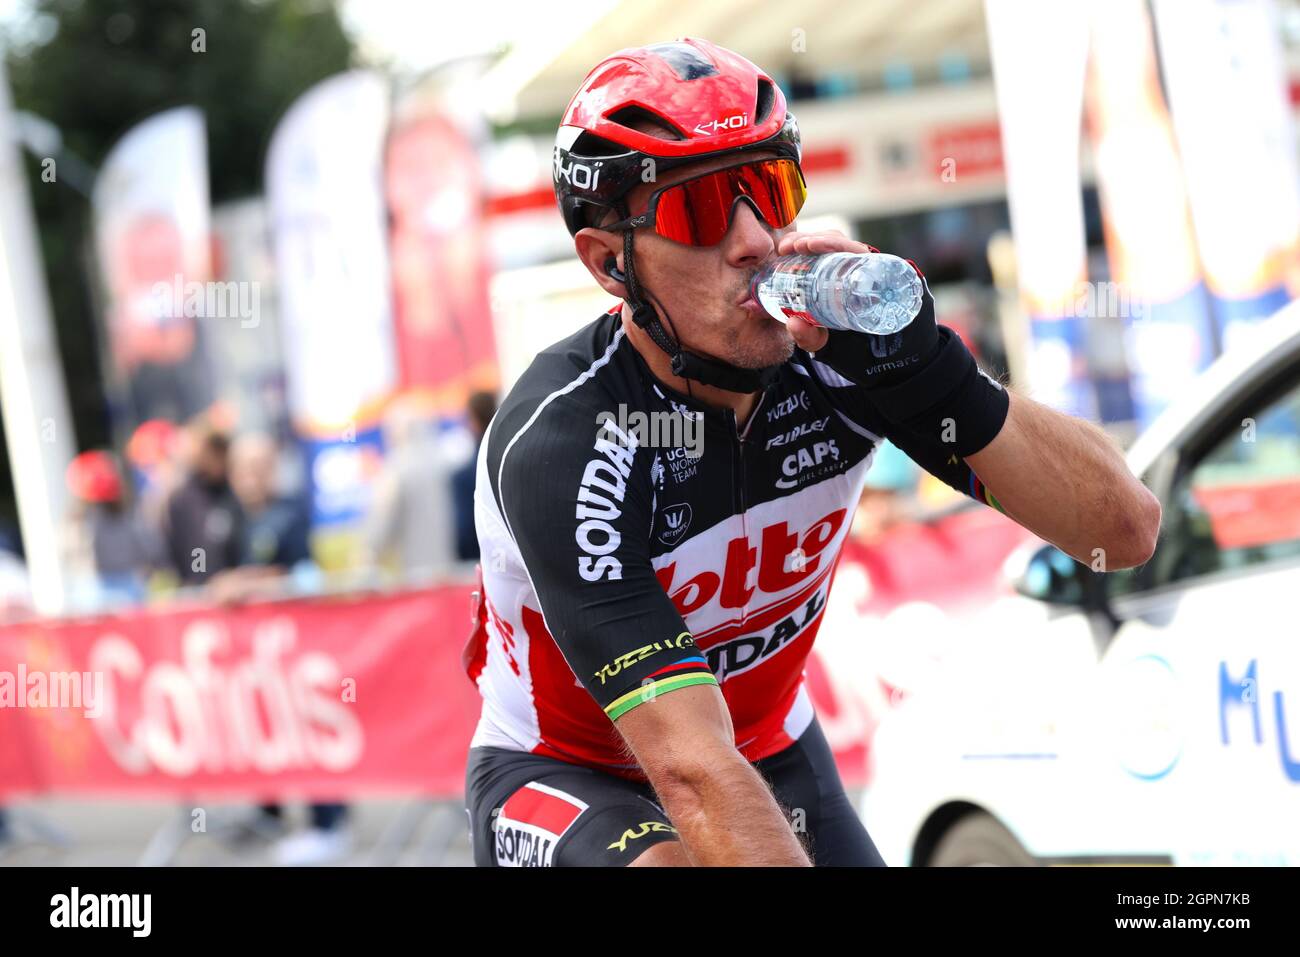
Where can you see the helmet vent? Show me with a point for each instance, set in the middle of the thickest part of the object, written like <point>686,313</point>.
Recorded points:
<point>766,97</point>
<point>643,121</point>
<point>588,144</point>
<point>687,62</point>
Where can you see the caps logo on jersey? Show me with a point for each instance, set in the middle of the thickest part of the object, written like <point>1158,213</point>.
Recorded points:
<point>531,823</point>
<point>677,518</point>
<point>821,460</point>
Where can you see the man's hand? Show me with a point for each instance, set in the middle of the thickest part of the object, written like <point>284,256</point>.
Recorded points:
<point>244,583</point>
<point>808,337</point>
<point>878,361</point>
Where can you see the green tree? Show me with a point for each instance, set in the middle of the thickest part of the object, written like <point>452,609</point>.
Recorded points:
<point>95,69</point>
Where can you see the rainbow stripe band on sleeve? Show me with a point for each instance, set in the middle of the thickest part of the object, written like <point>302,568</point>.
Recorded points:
<point>652,689</point>
<point>695,662</point>
<point>980,492</point>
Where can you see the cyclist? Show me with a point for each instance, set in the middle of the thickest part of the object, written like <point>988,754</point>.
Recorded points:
<point>650,592</point>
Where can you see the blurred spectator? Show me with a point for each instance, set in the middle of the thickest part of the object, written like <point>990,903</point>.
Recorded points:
<point>109,550</point>
<point>273,528</point>
<point>202,517</point>
<point>273,544</point>
<point>326,840</point>
<point>413,518</point>
<point>481,407</point>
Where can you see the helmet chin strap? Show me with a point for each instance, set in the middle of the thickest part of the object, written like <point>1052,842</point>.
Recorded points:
<point>688,365</point>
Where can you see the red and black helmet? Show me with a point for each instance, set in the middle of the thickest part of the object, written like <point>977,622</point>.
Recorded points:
<point>715,102</point>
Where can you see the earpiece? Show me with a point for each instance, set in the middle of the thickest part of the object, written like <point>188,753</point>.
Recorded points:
<point>611,267</point>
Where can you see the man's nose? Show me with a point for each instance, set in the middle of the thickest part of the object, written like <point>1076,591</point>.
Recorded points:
<point>748,240</point>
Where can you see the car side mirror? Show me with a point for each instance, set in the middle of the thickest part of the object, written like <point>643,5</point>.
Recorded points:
<point>1053,577</point>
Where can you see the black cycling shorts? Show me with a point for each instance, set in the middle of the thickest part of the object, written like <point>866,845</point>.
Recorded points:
<point>528,810</point>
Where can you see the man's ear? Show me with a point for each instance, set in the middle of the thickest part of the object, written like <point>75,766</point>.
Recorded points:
<point>595,247</point>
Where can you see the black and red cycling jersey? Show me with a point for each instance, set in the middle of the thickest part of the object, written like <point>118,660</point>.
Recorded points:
<point>618,566</point>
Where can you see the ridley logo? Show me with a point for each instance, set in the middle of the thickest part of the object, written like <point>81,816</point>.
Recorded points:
<point>677,518</point>
<point>798,432</point>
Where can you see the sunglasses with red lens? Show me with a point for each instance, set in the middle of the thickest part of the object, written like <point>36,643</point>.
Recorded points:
<point>697,211</point>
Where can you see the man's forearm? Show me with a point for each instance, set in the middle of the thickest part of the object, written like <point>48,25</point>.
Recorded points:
<point>1065,480</point>
<point>1062,478</point>
<point>726,816</point>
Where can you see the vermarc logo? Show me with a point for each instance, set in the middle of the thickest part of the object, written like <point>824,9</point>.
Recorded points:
<point>677,518</point>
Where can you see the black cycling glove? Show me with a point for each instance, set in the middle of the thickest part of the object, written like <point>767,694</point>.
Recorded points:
<point>923,379</point>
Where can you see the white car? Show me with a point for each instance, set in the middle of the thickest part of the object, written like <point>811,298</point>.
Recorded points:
<point>1148,715</point>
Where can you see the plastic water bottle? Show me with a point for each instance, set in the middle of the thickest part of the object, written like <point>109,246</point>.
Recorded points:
<point>874,293</point>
